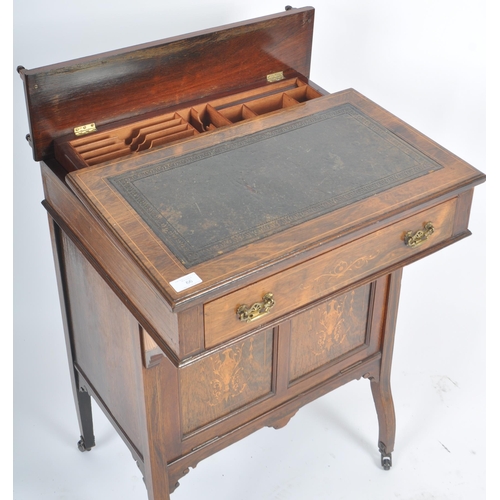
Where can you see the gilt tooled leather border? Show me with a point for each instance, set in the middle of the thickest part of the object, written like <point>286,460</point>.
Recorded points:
<point>170,232</point>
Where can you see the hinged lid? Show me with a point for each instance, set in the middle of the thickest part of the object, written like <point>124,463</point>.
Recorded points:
<point>244,197</point>
<point>111,86</point>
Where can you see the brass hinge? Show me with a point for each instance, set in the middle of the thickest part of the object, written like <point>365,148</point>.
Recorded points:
<point>275,77</point>
<point>85,129</point>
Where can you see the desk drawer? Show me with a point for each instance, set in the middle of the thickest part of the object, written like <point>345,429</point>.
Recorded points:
<point>327,273</point>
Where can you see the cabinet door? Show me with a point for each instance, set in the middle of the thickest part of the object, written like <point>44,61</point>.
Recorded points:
<point>228,380</point>
<point>336,333</point>
<point>329,332</point>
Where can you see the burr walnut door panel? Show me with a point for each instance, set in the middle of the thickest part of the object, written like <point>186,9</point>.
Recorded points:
<point>228,380</point>
<point>330,332</point>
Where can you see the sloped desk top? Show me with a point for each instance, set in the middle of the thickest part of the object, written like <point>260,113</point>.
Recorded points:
<point>204,204</point>
<point>218,198</point>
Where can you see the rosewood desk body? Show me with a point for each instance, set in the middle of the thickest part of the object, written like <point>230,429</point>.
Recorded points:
<point>229,248</point>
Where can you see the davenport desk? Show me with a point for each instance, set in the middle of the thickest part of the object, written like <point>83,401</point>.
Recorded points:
<point>229,238</point>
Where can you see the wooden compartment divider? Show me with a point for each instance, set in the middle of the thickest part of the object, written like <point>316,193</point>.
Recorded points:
<point>182,124</point>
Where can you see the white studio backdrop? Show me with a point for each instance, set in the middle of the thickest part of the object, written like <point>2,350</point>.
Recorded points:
<point>425,62</point>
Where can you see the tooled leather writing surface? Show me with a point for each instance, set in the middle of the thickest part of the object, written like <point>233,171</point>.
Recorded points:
<point>211,202</point>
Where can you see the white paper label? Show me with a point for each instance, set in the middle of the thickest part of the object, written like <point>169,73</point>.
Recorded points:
<point>185,282</point>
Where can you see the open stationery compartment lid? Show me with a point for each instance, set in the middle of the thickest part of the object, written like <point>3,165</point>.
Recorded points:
<point>135,81</point>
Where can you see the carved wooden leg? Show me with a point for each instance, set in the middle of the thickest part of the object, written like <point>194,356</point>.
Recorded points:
<point>386,420</point>
<point>381,388</point>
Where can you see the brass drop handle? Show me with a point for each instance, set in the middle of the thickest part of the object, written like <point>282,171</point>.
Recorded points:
<point>257,310</point>
<point>413,240</point>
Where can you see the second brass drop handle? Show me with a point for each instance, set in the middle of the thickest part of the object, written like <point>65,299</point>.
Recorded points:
<point>257,310</point>
<point>413,240</point>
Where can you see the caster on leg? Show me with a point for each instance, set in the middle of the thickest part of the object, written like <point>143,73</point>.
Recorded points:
<point>84,412</point>
<point>386,461</point>
<point>385,458</point>
<point>82,446</point>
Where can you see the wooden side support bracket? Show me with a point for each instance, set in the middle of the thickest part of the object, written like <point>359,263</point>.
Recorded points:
<point>151,352</point>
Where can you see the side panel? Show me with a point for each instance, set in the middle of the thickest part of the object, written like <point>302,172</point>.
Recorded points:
<point>107,347</point>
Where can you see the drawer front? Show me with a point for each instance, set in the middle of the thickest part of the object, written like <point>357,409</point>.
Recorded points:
<point>327,273</point>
